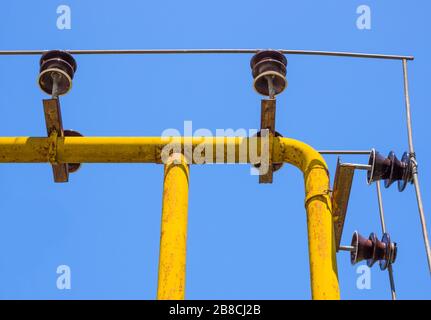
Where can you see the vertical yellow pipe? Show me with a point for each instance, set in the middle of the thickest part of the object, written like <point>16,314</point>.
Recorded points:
<point>321,239</point>
<point>173,239</point>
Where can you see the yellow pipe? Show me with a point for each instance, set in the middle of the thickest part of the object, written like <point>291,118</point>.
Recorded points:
<point>323,266</point>
<point>321,240</point>
<point>113,149</point>
<point>173,239</point>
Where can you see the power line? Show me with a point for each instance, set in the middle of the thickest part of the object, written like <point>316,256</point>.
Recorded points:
<point>216,51</point>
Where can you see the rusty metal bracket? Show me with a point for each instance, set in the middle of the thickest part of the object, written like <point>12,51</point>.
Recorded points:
<point>54,128</point>
<point>340,197</point>
<point>267,122</point>
<point>267,116</point>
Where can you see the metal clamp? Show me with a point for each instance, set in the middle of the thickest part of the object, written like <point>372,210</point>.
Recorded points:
<point>340,196</point>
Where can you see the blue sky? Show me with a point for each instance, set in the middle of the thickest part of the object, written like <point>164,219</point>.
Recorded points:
<point>245,241</point>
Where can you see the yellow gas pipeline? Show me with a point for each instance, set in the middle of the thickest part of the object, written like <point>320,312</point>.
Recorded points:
<point>323,265</point>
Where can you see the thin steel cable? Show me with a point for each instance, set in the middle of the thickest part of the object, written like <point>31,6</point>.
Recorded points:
<point>414,164</point>
<point>216,51</point>
<point>382,221</point>
<point>352,152</point>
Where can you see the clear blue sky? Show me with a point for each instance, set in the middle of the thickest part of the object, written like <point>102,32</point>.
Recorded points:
<point>245,240</point>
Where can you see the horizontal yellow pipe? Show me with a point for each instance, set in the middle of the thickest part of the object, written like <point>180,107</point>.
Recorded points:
<point>323,266</point>
<point>118,149</point>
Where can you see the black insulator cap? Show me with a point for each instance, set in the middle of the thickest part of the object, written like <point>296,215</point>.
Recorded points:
<point>362,248</point>
<point>60,63</point>
<point>407,176</point>
<point>390,169</point>
<point>269,63</point>
<point>397,170</point>
<point>373,250</point>
<point>380,167</point>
